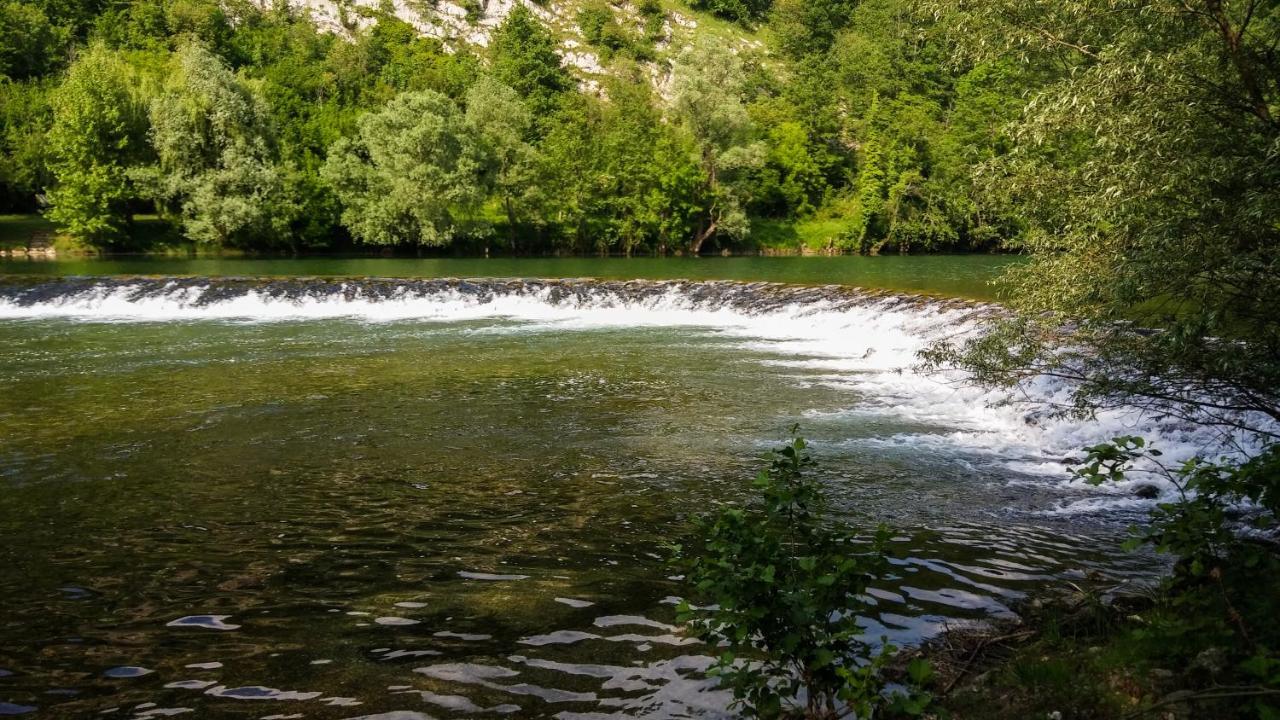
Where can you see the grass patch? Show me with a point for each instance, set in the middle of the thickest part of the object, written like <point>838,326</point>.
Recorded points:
<point>18,231</point>
<point>810,236</point>
<point>150,233</point>
<point>1077,657</point>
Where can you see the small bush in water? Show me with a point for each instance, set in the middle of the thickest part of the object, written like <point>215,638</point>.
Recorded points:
<point>785,589</point>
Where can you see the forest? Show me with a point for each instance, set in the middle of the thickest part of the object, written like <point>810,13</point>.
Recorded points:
<point>853,127</point>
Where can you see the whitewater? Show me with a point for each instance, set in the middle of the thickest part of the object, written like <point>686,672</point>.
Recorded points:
<point>859,340</point>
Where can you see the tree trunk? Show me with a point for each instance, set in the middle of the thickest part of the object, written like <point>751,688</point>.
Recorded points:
<point>695,247</point>
<point>1233,38</point>
<point>511,222</point>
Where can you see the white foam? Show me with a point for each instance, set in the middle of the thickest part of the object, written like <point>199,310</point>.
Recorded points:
<point>869,347</point>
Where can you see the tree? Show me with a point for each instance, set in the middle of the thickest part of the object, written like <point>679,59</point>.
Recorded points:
<point>216,168</point>
<point>573,164</point>
<point>1148,181</point>
<point>708,88</point>
<point>525,59</point>
<point>30,44</point>
<point>648,176</point>
<point>501,123</point>
<point>743,11</point>
<point>96,135</point>
<point>809,26</point>
<point>412,168</point>
<point>25,117</point>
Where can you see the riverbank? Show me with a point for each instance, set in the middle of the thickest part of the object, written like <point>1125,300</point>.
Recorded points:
<point>1090,652</point>
<point>33,235</point>
<point>1067,656</point>
<point>27,236</point>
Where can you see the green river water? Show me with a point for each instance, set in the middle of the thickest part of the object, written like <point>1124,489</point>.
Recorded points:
<point>318,505</point>
<point>958,275</point>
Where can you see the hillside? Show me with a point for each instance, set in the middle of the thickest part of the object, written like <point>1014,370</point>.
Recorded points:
<point>661,28</point>
<point>574,126</point>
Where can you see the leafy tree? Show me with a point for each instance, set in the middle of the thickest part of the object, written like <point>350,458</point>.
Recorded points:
<point>203,21</point>
<point>654,19</point>
<point>782,583</point>
<point>1148,183</point>
<point>501,124</point>
<point>133,26</point>
<point>30,43</point>
<point>572,157</point>
<point>809,26</point>
<point>412,170</point>
<point>75,16</point>
<point>872,186</point>
<point>743,11</point>
<point>647,174</point>
<point>96,136</point>
<point>404,60</point>
<point>601,29</point>
<point>25,117</point>
<point>708,89</point>
<point>1220,597</point>
<point>216,168</point>
<point>593,19</point>
<point>525,58</point>
<point>625,181</point>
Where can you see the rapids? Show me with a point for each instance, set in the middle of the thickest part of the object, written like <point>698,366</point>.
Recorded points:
<point>865,340</point>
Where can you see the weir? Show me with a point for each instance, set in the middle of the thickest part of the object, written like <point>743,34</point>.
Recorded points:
<point>862,340</point>
<point>89,296</point>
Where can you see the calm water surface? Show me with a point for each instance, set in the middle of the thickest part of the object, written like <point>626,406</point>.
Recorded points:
<point>956,275</point>
<point>338,518</point>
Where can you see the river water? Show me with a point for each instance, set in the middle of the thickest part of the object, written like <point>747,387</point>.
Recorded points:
<point>404,499</point>
<point>953,275</point>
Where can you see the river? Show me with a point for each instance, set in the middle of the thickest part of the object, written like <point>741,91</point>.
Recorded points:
<point>955,275</point>
<point>339,497</point>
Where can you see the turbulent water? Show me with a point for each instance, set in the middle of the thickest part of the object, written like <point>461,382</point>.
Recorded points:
<point>433,498</point>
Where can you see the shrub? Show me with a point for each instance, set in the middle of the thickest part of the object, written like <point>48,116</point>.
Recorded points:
<point>786,589</point>
<point>1216,609</point>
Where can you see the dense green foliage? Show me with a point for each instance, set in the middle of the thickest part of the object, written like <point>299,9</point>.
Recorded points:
<point>1145,182</point>
<point>785,589</point>
<point>216,169</point>
<point>850,122</point>
<point>95,137</point>
<point>1218,604</point>
<point>412,169</point>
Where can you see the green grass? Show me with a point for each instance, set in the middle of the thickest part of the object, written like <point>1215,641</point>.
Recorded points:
<point>1073,668</point>
<point>17,231</point>
<point>808,236</point>
<point>150,234</point>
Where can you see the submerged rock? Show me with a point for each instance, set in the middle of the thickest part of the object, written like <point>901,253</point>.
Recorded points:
<point>1147,491</point>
